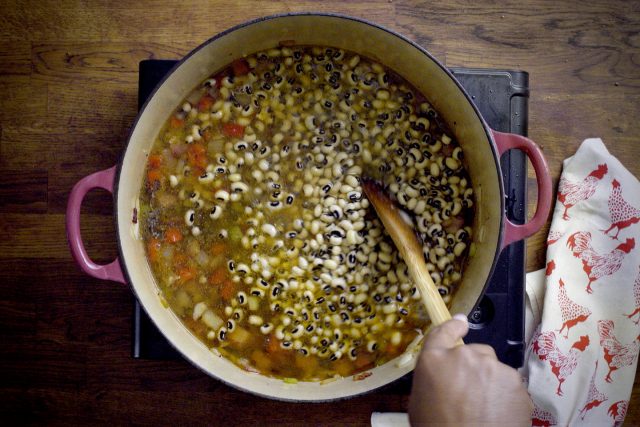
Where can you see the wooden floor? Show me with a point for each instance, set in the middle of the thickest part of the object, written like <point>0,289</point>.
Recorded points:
<point>68,87</point>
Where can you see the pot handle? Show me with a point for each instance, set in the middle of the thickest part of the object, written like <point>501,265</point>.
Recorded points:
<point>505,142</point>
<point>103,179</point>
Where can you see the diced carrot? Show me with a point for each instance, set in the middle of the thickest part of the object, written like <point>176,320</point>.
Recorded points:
<point>153,176</point>
<point>155,161</point>
<point>153,249</point>
<point>185,274</point>
<point>218,276</point>
<point>364,360</point>
<point>261,360</point>
<point>272,344</point>
<point>343,366</point>
<point>227,290</point>
<point>306,363</point>
<point>197,156</point>
<point>205,103</point>
<point>218,248</point>
<point>392,350</point>
<point>176,122</point>
<point>206,135</point>
<point>180,259</point>
<point>233,129</point>
<point>172,235</point>
<point>240,67</point>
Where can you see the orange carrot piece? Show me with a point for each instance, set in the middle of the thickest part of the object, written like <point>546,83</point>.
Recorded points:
<point>172,235</point>
<point>207,134</point>
<point>233,129</point>
<point>180,259</point>
<point>364,360</point>
<point>227,290</point>
<point>176,122</point>
<point>272,344</point>
<point>153,176</point>
<point>185,274</point>
<point>218,276</point>
<point>218,248</point>
<point>153,249</point>
<point>306,363</point>
<point>155,161</point>
<point>205,103</point>
<point>240,67</point>
<point>197,156</point>
<point>343,367</point>
<point>261,360</point>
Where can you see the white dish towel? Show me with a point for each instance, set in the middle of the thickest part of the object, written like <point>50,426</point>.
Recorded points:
<point>583,309</point>
<point>582,356</point>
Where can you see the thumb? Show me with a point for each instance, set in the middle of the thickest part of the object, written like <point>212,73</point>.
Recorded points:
<point>447,334</point>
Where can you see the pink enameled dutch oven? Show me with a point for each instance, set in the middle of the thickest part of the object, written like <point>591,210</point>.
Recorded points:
<point>482,148</point>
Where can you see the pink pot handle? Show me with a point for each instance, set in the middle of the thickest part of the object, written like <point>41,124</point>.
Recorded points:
<point>505,142</point>
<point>103,179</point>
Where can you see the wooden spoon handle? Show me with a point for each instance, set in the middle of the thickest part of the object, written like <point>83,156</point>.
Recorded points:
<point>431,298</point>
<point>410,250</point>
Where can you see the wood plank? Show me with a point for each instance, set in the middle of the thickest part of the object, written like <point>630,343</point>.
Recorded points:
<point>105,63</point>
<point>51,364</point>
<point>15,58</point>
<point>23,190</point>
<point>21,151</point>
<point>91,105</point>
<point>87,151</point>
<point>36,236</point>
<point>193,22</point>
<point>23,105</point>
<point>598,58</point>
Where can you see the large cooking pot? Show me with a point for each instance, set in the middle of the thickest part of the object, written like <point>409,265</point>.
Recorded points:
<point>482,149</point>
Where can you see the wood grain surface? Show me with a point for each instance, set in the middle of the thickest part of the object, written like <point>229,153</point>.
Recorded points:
<point>68,88</point>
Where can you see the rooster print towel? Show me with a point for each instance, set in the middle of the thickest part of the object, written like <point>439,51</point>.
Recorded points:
<point>582,358</point>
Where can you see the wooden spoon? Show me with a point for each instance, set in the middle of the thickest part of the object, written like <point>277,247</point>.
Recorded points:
<point>410,249</point>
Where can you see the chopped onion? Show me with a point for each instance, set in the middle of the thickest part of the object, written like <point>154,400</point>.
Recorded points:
<point>211,319</point>
<point>178,150</point>
<point>168,158</point>
<point>167,252</point>
<point>199,310</point>
<point>253,302</point>
<point>202,258</point>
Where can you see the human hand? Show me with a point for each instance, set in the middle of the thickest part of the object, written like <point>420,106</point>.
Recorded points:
<point>465,385</point>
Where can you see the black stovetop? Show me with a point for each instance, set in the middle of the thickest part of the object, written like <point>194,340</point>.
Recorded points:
<point>502,97</point>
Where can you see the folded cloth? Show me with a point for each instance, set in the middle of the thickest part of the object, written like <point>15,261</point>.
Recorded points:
<point>389,419</point>
<point>582,357</point>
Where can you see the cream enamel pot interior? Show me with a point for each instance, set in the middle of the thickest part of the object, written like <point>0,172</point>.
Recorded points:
<point>481,145</point>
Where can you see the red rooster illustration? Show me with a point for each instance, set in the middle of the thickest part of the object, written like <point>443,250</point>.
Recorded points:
<point>570,193</point>
<point>615,354</point>
<point>554,236</point>
<point>618,411</point>
<point>542,418</point>
<point>562,365</point>
<point>622,213</point>
<point>593,263</point>
<point>572,313</point>
<point>594,397</point>
<point>551,265</point>
<point>636,297</point>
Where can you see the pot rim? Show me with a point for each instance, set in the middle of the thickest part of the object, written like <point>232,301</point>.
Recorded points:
<point>184,59</point>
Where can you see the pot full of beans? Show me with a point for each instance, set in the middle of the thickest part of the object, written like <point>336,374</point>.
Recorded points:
<point>242,225</point>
